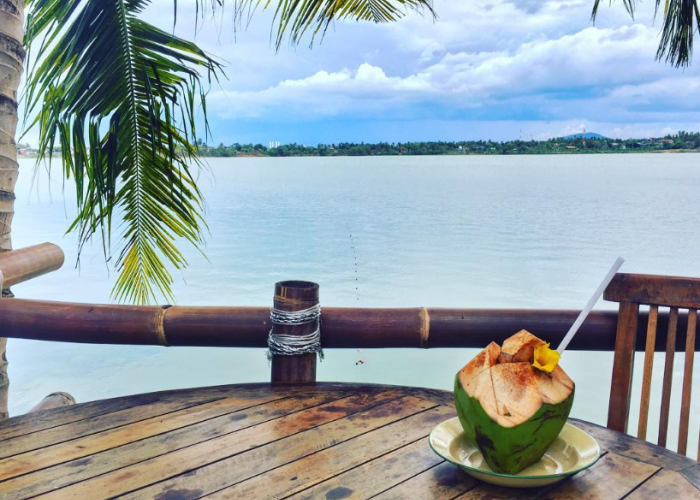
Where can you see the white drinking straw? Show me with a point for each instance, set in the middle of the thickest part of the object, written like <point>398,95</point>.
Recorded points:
<point>589,306</point>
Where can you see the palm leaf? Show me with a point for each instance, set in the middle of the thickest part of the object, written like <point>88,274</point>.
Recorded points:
<point>296,18</point>
<point>681,18</point>
<point>119,97</point>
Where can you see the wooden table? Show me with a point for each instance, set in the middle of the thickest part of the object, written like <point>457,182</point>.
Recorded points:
<point>328,441</point>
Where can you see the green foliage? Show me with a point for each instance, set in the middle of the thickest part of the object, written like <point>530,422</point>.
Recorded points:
<point>119,97</point>
<point>681,18</point>
<point>297,18</point>
<point>680,141</point>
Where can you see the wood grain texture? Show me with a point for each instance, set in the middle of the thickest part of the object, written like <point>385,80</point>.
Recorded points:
<point>687,382</point>
<point>18,266</point>
<point>668,376</point>
<point>612,478</point>
<point>621,388</point>
<point>94,443</point>
<point>310,470</point>
<point>55,435</point>
<point>75,471</point>
<point>653,289</point>
<point>348,328</point>
<point>34,422</point>
<point>636,449</point>
<point>326,441</point>
<point>665,484</point>
<point>293,296</point>
<point>443,482</point>
<point>646,375</point>
<point>692,475</point>
<point>297,441</point>
<point>375,476</point>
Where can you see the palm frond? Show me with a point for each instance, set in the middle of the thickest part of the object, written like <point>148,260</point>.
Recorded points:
<point>681,18</point>
<point>119,96</point>
<point>296,18</point>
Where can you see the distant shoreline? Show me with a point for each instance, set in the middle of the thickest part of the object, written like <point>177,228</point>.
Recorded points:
<point>552,153</point>
<point>590,144</point>
<point>559,153</point>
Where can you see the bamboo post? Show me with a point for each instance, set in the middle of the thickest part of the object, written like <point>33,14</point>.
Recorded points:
<point>294,296</point>
<point>54,400</point>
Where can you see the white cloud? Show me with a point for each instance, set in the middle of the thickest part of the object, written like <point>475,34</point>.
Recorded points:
<point>481,60</point>
<point>593,64</point>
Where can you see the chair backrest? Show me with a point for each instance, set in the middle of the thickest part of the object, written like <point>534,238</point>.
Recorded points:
<point>678,294</point>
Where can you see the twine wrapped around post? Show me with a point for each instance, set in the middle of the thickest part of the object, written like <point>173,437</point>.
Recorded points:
<point>295,336</point>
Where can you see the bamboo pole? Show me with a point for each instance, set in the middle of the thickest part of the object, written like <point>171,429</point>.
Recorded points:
<point>17,266</point>
<point>53,400</point>
<point>342,327</point>
<point>24,264</point>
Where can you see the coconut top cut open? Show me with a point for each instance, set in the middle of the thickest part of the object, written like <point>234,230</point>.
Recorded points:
<point>506,384</point>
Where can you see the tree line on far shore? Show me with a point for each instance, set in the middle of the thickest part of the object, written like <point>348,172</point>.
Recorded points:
<point>682,141</point>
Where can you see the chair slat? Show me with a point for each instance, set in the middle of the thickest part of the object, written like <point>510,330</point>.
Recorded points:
<point>648,368</point>
<point>668,376</point>
<point>619,408</point>
<point>687,381</point>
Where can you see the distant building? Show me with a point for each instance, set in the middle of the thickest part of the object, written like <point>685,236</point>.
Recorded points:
<point>666,141</point>
<point>22,151</point>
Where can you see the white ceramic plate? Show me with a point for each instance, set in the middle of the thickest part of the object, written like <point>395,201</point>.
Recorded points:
<point>573,451</point>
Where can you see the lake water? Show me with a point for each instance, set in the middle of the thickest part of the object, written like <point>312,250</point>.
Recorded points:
<point>468,231</point>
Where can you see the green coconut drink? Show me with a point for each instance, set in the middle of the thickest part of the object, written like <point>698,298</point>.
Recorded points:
<point>513,401</point>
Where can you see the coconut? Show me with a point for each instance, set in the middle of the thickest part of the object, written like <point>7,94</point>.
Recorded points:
<point>510,409</point>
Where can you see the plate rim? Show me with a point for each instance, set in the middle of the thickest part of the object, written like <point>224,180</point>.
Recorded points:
<point>518,476</point>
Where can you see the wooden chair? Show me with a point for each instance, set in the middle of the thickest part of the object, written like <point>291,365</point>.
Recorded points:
<point>631,291</point>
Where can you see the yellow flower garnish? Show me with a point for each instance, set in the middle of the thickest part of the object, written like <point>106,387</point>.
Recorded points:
<point>546,359</point>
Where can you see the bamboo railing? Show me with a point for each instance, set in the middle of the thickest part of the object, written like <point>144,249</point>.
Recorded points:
<point>356,328</point>
<point>17,266</point>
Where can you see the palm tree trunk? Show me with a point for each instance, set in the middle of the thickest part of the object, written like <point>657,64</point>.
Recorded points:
<point>11,67</point>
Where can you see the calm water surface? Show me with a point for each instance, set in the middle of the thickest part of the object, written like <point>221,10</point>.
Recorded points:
<point>502,231</point>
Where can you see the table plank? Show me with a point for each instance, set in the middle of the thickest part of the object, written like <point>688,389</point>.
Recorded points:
<point>196,457</point>
<point>692,475</point>
<point>328,441</point>
<point>613,477</point>
<point>130,416</point>
<point>443,482</point>
<point>630,447</point>
<point>665,484</point>
<point>485,491</point>
<point>308,471</point>
<point>34,422</point>
<point>74,471</point>
<point>375,476</point>
<point>258,462</point>
<point>93,443</point>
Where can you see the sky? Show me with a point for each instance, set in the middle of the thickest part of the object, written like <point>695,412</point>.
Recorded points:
<point>486,69</point>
